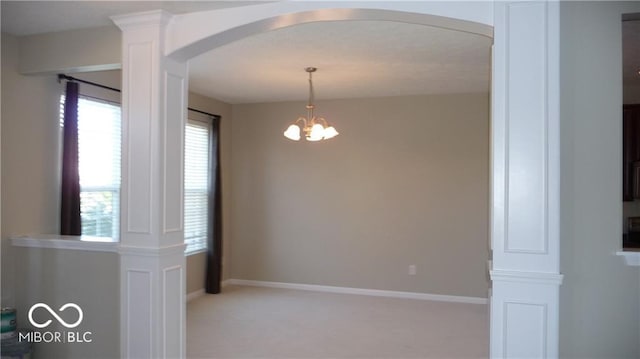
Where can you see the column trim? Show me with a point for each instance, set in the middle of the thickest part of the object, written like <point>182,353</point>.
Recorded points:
<point>145,18</point>
<point>526,277</point>
<point>151,251</point>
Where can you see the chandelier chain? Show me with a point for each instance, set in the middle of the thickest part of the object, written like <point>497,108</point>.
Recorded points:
<point>314,129</point>
<point>311,93</point>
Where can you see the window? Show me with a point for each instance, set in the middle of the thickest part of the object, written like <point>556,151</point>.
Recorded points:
<point>99,142</point>
<point>196,185</point>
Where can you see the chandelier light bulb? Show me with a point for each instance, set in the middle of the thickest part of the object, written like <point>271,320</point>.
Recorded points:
<point>292,132</point>
<point>316,133</point>
<point>330,132</point>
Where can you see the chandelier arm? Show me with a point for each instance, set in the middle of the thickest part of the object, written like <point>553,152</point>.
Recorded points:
<point>304,121</point>
<point>321,119</point>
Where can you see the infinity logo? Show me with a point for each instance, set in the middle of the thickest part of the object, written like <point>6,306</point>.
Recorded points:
<point>60,320</point>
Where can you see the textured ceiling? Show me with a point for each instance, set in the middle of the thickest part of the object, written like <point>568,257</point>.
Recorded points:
<point>34,17</point>
<point>354,59</point>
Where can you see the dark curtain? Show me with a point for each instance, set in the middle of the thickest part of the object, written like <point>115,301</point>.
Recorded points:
<point>70,191</point>
<point>214,242</point>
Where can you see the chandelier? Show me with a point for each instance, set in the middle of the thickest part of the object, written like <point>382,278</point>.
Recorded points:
<point>314,128</point>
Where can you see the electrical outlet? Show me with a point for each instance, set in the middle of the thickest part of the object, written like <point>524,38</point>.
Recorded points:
<point>412,269</point>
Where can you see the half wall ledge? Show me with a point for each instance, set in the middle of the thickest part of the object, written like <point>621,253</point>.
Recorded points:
<point>631,258</point>
<point>56,241</point>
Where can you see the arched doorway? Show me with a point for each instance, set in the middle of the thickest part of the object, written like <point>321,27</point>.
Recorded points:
<point>525,147</point>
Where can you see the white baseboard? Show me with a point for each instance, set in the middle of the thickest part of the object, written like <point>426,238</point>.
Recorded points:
<point>360,291</point>
<point>195,294</point>
<point>200,292</point>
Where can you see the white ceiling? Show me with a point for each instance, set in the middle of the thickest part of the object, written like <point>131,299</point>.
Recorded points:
<point>34,17</point>
<point>355,59</point>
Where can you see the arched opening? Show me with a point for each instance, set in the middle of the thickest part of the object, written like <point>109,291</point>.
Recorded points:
<point>234,37</point>
<point>205,43</point>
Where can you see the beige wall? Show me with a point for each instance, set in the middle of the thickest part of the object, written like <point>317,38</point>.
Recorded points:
<point>30,163</point>
<point>30,157</point>
<point>111,78</point>
<point>70,51</point>
<point>406,182</point>
<point>88,279</point>
<point>600,297</point>
<point>30,205</point>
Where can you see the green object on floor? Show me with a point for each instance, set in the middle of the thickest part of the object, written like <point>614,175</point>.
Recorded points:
<point>13,348</point>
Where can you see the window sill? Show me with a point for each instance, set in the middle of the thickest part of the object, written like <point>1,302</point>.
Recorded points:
<point>55,241</point>
<point>631,257</point>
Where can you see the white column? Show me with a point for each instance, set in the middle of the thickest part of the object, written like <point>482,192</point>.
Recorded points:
<point>525,183</point>
<point>152,263</point>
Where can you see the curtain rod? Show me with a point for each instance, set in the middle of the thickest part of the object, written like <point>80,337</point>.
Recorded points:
<point>71,78</point>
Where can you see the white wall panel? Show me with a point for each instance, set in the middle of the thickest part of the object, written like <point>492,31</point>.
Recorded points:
<point>525,182</point>
<point>535,317</point>
<point>525,132</point>
<point>140,317</point>
<point>527,127</point>
<point>524,315</point>
<point>173,326</point>
<point>138,84</point>
<point>173,168</point>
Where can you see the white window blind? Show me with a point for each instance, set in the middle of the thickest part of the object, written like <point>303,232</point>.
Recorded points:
<point>196,186</point>
<point>99,138</point>
<point>99,142</point>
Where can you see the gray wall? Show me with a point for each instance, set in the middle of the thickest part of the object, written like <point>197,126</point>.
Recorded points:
<point>600,298</point>
<point>406,182</point>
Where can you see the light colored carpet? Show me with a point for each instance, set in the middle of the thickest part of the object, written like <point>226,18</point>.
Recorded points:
<point>252,322</point>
